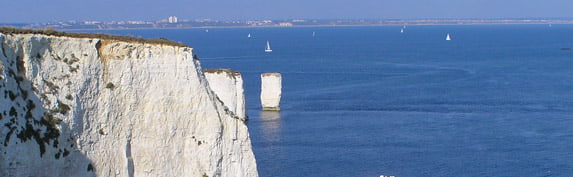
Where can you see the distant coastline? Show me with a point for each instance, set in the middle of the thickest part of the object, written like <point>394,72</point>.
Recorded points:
<point>207,23</point>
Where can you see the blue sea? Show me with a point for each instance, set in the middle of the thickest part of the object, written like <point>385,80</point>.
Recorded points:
<point>496,100</point>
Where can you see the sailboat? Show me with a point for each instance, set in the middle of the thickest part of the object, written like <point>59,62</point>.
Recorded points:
<point>249,36</point>
<point>268,48</point>
<point>313,34</point>
<point>402,30</point>
<point>448,37</point>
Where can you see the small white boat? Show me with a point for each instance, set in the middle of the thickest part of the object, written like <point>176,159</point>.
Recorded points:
<point>313,34</point>
<point>207,30</point>
<point>448,37</point>
<point>402,30</point>
<point>268,48</point>
<point>249,36</point>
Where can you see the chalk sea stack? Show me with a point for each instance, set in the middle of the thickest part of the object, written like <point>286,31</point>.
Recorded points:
<point>271,86</point>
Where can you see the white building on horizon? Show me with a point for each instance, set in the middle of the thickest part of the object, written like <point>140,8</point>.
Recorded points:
<point>172,19</point>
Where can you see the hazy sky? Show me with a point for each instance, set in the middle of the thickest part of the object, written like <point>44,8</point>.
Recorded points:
<point>107,10</point>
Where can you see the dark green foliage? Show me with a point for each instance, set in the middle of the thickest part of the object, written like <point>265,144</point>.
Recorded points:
<point>63,108</point>
<point>66,152</point>
<point>43,96</point>
<point>24,93</point>
<point>90,167</point>
<point>19,79</point>
<point>51,85</point>
<point>30,131</point>
<point>205,175</point>
<point>30,105</point>
<point>69,97</point>
<point>20,65</point>
<point>13,112</point>
<point>72,61</point>
<point>109,85</point>
<point>49,119</point>
<point>29,115</point>
<point>74,69</point>
<point>49,32</point>
<point>101,132</point>
<point>199,143</point>
<point>9,134</point>
<point>12,95</point>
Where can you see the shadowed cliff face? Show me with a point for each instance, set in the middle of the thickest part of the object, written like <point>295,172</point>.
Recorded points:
<point>85,107</point>
<point>33,134</point>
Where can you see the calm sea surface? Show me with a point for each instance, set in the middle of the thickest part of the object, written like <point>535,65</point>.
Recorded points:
<point>497,100</point>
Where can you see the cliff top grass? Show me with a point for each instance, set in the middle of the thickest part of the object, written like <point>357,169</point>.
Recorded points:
<point>51,32</point>
<point>229,72</point>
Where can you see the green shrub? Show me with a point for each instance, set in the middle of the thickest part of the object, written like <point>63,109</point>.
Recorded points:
<point>63,108</point>
<point>51,120</point>
<point>90,167</point>
<point>109,85</point>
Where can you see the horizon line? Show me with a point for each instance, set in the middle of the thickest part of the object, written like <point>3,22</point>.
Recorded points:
<point>290,19</point>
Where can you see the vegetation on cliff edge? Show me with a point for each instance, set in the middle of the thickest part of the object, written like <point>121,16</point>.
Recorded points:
<point>51,32</point>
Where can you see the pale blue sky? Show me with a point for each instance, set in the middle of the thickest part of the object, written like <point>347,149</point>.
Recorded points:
<point>107,10</point>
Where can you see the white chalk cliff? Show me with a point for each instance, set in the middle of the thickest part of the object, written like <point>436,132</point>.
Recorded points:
<point>94,107</point>
<point>228,86</point>
<point>271,90</point>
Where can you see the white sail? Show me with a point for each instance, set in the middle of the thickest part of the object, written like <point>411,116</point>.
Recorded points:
<point>268,48</point>
<point>249,36</point>
<point>448,37</point>
<point>313,34</point>
<point>402,30</point>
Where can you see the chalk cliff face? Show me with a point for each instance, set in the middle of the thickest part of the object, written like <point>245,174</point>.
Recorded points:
<point>228,86</point>
<point>91,107</point>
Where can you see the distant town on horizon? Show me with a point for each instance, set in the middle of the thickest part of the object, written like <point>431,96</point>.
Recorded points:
<point>175,22</point>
